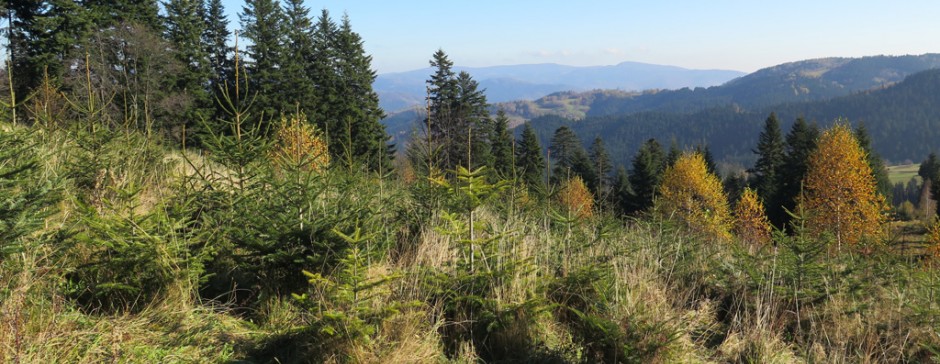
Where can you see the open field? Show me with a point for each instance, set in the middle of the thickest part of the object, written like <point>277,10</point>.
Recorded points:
<point>902,173</point>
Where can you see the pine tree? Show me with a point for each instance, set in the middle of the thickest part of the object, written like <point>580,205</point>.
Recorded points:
<point>366,141</point>
<point>692,195</point>
<point>602,168</point>
<point>800,144</point>
<point>874,160</point>
<point>767,170</point>
<point>646,174</point>
<point>262,22</point>
<point>530,165</point>
<point>840,190</point>
<point>502,146</point>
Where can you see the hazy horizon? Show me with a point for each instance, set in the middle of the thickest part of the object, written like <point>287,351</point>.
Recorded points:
<point>724,35</point>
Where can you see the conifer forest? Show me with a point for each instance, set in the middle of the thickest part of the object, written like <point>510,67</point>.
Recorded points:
<point>173,191</point>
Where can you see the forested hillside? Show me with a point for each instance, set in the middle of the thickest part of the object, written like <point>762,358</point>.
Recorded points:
<point>902,119</point>
<point>165,198</point>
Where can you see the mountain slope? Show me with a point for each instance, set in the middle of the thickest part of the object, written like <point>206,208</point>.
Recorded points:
<point>403,90</point>
<point>903,121</point>
<point>810,80</point>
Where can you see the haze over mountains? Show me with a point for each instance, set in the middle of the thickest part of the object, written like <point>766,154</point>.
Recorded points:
<point>728,117</point>
<point>404,90</point>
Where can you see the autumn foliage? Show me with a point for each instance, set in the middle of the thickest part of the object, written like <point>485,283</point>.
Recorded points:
<point>840,195</point>
<point>690,194</point>
<point>576,197</point>
<point>301,144</point>
<point>751,223</point>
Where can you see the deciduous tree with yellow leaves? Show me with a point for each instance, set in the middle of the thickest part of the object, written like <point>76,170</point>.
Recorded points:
<point>692,195</point>
<point>751,223</point>
<point>840,194</point>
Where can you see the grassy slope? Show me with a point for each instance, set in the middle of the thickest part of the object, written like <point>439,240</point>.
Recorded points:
<point>674,296</point>
<point>902,173</point>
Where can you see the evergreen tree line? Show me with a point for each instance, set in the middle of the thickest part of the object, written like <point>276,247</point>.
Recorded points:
<point>174,68</point>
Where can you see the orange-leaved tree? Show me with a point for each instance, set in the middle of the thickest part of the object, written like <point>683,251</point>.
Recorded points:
<point>692,195</point>
<point>301,144</point>
<point>750,221</point>
<point>840,193</point>
<point>576,197</point>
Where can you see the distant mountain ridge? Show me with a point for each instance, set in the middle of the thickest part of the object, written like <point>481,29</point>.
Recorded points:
<point>404,90</point>
<point>809,80</point>
<point>903,120</point>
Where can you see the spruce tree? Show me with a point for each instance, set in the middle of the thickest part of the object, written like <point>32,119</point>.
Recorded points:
<point>530,165</point>
<point>442,91</point>
<point>502,146</point>
<point>877,165</point>
<point>110,13</point>
<point>648,166</point>
<point>800,144</point>
<point>299,89</point>
<point>458,117</point>
<point>366,141</point>
<point>41,37</point>
<point>184,30</point>
<point>621,193</point>
<point>262,24</point>
<point>322,68</point>
<point>566,153</point>
<point>930,172</point>
<point>601,162</point>
<point>473,120</point>
<point>215,40</point>
<point>767,169</point>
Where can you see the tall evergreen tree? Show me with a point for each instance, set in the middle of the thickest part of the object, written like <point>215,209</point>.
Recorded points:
<point>569,157</point>
<point>600,160</point>
<point>458,112</point>
<point>621,193</point>
<point>502,145</point>
<point>184,29</point>
<point>530,165</point>
<point>322,69</point>
<point>648,166</point>
<point>299,88</point>
<point>472,123</point>
<point>767,170</point>
<point>800,144</point>
<point>930,172</point>
<point>110,13</point>
<point>215,40</point>
<point>41,37</point>
<point>877,165</point>
<point>262,24</point>
<point>366,141</point>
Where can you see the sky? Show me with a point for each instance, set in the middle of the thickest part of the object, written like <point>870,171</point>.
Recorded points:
<point>743,35</point>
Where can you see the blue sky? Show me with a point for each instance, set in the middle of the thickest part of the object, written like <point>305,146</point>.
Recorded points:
<point>716,34</point>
